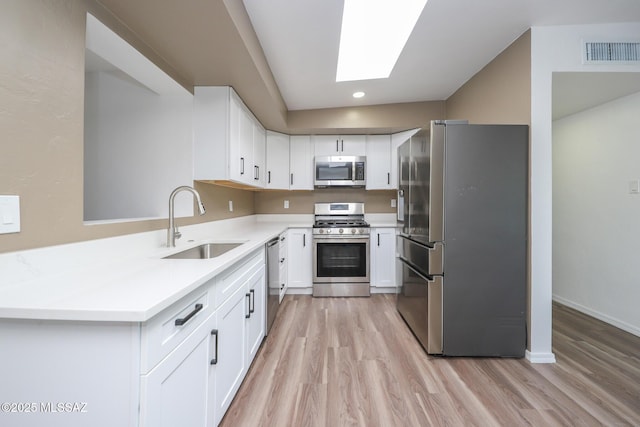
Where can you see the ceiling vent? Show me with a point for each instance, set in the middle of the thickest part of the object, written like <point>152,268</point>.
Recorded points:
<point>612,52</point>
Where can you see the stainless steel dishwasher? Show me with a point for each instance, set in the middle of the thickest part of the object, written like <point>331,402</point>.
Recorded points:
<point>273,281</point>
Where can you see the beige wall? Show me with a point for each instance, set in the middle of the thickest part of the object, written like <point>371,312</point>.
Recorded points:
<point>388,118</point>
<point>500,92</point>
<point>301,202</point>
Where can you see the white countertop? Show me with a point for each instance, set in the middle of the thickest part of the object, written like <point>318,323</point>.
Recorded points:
<point>126,279</point>
<point>122,279</point>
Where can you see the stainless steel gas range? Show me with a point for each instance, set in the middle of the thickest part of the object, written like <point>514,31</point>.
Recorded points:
<point>340,250</point>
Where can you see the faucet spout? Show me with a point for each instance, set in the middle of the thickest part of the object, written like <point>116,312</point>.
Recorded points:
<point>172,232</point>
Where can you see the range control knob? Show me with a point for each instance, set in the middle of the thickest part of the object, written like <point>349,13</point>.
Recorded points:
<point>328,231</point>
<point>362,231</point>
<point>353,231</point>
<point>321,231</point>
<point>341,231</point>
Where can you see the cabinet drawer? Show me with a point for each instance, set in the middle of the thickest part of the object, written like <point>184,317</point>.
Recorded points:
<point>236,276</point>
<point>164,332</point>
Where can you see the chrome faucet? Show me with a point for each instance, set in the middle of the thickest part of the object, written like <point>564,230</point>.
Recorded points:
<point>172,232</point>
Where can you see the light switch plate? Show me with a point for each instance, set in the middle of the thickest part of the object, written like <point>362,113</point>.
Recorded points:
<point>634,186</point>
<point>230,205</point>
<point>393,203</point>
<point>9,214</point>
<point>286,204</point>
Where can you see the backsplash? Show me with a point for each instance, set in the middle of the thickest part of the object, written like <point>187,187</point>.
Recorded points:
<point>302,202</point>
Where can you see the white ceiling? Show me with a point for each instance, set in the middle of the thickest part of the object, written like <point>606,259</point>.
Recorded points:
<point>452,40</point>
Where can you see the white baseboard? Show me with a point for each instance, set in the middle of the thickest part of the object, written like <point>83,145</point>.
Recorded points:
<point>598,315</point>
<point>299,291</point>
<point>388,290</point>
<point>540,357</point>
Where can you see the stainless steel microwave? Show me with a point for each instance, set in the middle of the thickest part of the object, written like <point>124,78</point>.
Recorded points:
<point>339,171</point>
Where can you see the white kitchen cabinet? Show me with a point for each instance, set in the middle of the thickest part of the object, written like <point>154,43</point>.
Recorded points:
<point>228,141</point>
<point>256,320</point>
<point>383,257</point>
<point>300,260</point>
<point>175,392</point>
<point>378,167</point>
<point>259,154</point>
<point>339,145</point>
<point>284,263</point>
<point>277,165</point>
<point>300,162</point>
<point>230,366</point>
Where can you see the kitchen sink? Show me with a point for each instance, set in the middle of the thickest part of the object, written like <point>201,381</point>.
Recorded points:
<point>205,251</point>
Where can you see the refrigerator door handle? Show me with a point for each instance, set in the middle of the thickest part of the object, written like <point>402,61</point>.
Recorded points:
<point>436,259</point>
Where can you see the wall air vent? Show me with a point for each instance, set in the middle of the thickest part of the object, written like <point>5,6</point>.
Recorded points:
<point>612,51</point>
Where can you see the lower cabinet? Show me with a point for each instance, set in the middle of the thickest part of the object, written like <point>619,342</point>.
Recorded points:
<point>383,258</point>
<point>175,391</point>
<point>256,316</point>
<point>195,384</point>
<point>300,260</point>
<point>229,354</point>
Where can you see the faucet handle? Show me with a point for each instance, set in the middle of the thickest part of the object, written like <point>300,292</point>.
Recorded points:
<point>177,234</point>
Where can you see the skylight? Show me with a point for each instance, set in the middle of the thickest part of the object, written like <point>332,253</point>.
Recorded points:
<point>373,34</point>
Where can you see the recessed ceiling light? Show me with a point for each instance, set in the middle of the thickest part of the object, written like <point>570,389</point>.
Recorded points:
<point>358,94</point>
<point>373,35</point>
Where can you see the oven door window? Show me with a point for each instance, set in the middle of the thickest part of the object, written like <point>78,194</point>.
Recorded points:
<point>334,171</point>
<point>341,259</point>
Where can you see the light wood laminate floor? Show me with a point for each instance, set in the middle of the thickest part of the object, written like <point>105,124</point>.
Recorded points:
<point>353,361</point>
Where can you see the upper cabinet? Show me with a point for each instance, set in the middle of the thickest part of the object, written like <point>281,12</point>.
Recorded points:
<point>339,145</point>
<point>228,141</point>
<point>300,162</point>
<point>378,168</point>
<point>277,170</point>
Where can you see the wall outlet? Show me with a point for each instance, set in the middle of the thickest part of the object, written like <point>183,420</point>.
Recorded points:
<point>634,186</point>
<point>230,205</point>
<point>393,203</point>
<point>9,214</point>
<point>286,204</point>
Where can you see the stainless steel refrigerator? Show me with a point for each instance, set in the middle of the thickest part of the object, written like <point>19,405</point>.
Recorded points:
<point>463,246</point>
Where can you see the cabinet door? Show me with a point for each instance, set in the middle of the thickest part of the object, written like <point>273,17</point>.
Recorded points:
<point>326,145</point>
<point>245,148</point>
<point>277,170</point>
<point>383,257</point>
<point>300,258</point>
<point>301,163</point>
<point>378,162</point>
<point>284,262</point>
<point>353,145</point>
<point>339,145</point>
<point>256,321</point>
<point>259,143</point>
<point>231,347</point>
<point>176,391</point>
<point>235,134</point>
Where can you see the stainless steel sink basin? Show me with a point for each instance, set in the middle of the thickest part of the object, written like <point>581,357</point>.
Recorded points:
<point>204,251</point>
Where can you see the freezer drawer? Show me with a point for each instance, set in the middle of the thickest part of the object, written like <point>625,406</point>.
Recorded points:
<point>427,260</point>
<point>420,304</point>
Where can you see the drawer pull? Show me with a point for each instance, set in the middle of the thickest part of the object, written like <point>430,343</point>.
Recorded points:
<point>180,322</point>
<point>214,332</point>
<point>252,303</point>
